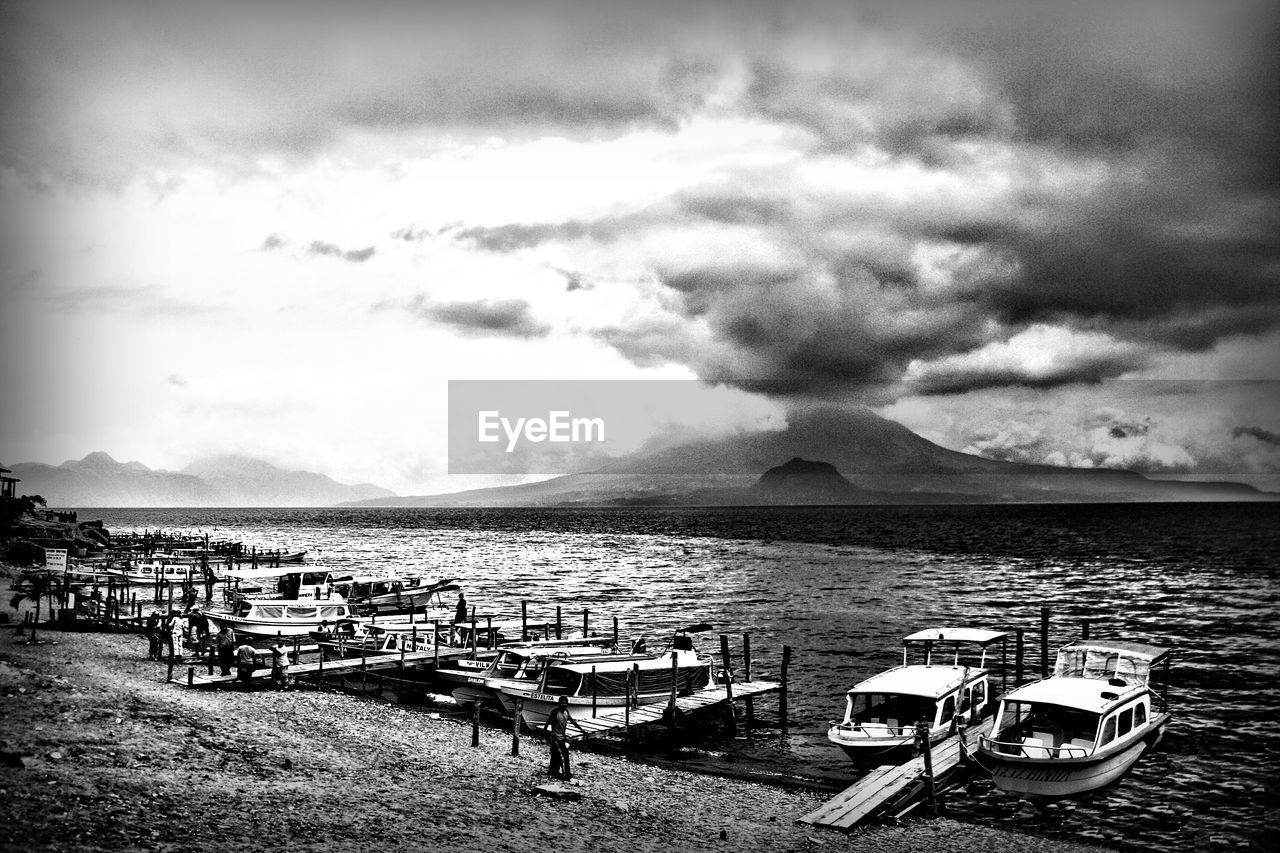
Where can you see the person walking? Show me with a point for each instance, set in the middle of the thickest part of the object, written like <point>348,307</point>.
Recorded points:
<point>226,643</point>
<point>558,725</point>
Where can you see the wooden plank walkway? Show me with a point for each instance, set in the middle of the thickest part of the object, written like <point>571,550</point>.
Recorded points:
<point>311,671</point>
<point>615,721</point>
<point>867,797</point>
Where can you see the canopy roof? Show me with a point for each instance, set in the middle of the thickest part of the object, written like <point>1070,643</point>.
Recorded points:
<point>1140,651</point>
<point>930,682</point>
<point>1084,694</point>
<point>980,636</point>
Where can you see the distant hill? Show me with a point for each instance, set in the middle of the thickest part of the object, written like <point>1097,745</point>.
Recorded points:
<point>800,481</point>
<point>97,480</point>
<point>883,461</point>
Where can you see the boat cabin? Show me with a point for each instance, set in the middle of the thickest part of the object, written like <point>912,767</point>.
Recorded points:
<point>1098,696</point>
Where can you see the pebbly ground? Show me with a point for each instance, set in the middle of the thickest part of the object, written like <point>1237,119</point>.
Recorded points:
<point>100,754</point>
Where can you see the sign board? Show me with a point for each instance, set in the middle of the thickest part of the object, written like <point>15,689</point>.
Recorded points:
<point>55,558</point>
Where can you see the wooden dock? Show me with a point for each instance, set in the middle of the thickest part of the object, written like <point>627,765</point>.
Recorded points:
<point>893,789</point>
<point>315,670</point>
<point>619,721</point>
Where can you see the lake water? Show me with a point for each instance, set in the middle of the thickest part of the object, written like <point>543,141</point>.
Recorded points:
<point>842,586</point>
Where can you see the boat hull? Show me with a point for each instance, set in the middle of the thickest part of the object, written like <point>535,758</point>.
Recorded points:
<point>1053,778</point>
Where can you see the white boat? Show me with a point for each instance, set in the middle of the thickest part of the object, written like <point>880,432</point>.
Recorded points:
<point>882,712</point>
<point>271,617</point>
<point>393,591</point>
<point>1083,727</point>
<point>608,682</point>
<point>146,571</point>
<point>516,664</point>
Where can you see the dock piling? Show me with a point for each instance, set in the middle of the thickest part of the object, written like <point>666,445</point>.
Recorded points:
<point>515,728</point>
<point>1044,642</point>
<point>1018,655</point>
<point>475,723</point>
<point>782,693</point>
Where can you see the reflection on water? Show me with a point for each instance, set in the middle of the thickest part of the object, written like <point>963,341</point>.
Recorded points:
<point>842,586</point>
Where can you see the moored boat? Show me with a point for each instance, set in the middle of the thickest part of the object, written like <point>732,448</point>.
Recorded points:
<point>608,682</point>
<point>271,617</point>
<point>1083,727</point>
<point>882,712</point>
<point>516,664</point>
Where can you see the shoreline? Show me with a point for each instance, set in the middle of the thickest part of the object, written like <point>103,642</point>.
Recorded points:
<point>110,757</point>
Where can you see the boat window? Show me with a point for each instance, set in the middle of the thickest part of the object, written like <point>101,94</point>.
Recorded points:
<point>1108,732</point>
<point>903,710</point>
<point>1140,714</point>
<point>302,612</point>
<point>979,694</point>
<point>269,612</point>
<point>562,681</point>
<point>948,710</point>
<point>1126,721</point>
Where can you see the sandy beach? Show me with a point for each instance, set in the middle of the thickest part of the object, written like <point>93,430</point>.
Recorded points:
<point>100,753</point>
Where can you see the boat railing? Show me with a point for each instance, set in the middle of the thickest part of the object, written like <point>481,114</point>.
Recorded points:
<point>875,728</point>
<point>1033,748</point>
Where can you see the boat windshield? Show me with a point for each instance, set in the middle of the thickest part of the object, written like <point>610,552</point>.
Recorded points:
<point>1103,664</point>
<point>1047,725</point>
<point>894,709</point>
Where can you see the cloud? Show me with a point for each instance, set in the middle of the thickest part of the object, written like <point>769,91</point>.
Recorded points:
<point>501,318</point>
<point>273,241</point>
<point>319,247</point>
<point>1262,435</point>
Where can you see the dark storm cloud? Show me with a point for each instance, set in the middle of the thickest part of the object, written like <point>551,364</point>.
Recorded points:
<point>1265,436</point>
<point>500,317</point>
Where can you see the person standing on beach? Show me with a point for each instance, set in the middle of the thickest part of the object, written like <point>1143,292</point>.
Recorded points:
<point>558,724</point>
<point>226,642</point>
<point>246,662</point>
<point>152,628</point>
<point>279,666</point>
<point>177,631</point>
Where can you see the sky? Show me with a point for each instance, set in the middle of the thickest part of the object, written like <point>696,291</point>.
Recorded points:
<point>279,229</point>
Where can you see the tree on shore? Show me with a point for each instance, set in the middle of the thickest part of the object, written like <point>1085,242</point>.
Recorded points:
<point>33,586</point>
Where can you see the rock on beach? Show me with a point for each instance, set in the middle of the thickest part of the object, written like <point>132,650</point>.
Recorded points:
<point>149,765</point>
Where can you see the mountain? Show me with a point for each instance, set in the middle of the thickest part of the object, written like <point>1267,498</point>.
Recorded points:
<point>800,481</point>
<point>97,480</point>
<point>883,460</point>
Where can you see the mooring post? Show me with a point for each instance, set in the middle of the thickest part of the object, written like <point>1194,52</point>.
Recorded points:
<point>1044,642</point>
<point>515,728</point>
<point>730,716</point>
<point>524,621</point>
<point>782,692</point>
<point>615,630</point>
<point>746,674</point>
<point>211,656</point>
<point>489,637</point>
<point>1018,654</point>
<point>320,671</point>
<point>675,681</point>
<point>1084,629</point>
<point>922,735</point>
<point>557,621</point>
<point>473,636</point>
<point>191,676</point>
<point>475,723</point>
<point>364,662</point>
<point>586,621</point>
<point>593,690</point>
<point>413,637</point>
<point>435,641</point>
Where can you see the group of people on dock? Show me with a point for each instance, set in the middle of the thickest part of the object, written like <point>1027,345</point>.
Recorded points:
<point>168,634</point>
